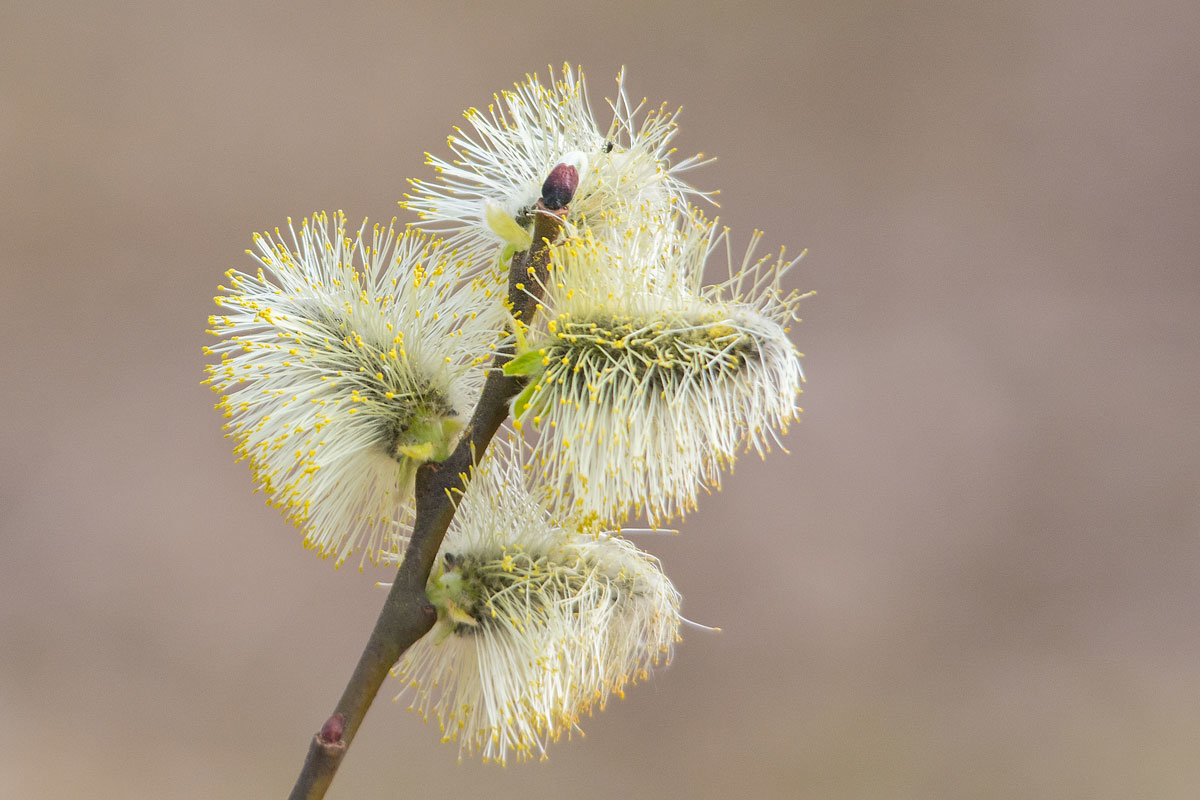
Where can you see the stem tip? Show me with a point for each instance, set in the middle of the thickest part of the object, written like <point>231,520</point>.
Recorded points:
<point>560,186</point>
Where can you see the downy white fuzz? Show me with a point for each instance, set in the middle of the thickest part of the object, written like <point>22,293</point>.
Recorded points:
<point>345,363</point>
<point>485,194</point>
<point>536,626</point>
<point>644,385</point>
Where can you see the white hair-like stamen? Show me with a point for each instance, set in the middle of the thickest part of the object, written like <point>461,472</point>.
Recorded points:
<point>346,361</point>
<point>537,626</point>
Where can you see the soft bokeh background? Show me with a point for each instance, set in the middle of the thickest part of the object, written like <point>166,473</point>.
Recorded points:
<point>976,575</point>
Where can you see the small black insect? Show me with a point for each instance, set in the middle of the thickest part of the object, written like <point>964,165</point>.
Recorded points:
<point>524,215</point>
<point>608,147</point>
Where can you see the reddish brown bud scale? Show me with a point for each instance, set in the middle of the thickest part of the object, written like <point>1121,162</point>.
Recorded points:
<point>560,186</point>
<point>332,730</point>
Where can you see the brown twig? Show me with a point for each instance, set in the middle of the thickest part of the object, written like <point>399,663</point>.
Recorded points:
<point>406,615</point>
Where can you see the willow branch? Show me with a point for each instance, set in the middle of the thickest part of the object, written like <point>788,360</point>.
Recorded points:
<point>407,615</point>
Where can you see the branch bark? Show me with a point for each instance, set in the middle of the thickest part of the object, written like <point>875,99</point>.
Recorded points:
<point>406,615</point>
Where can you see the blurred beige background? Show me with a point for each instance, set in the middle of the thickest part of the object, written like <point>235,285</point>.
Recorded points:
<point>977,575</point>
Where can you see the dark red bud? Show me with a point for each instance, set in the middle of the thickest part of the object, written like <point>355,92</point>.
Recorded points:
<point>560,187</point>
<point>332,730</point>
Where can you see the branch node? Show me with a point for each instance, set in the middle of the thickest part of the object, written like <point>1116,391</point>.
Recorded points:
<point>332,730</point>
